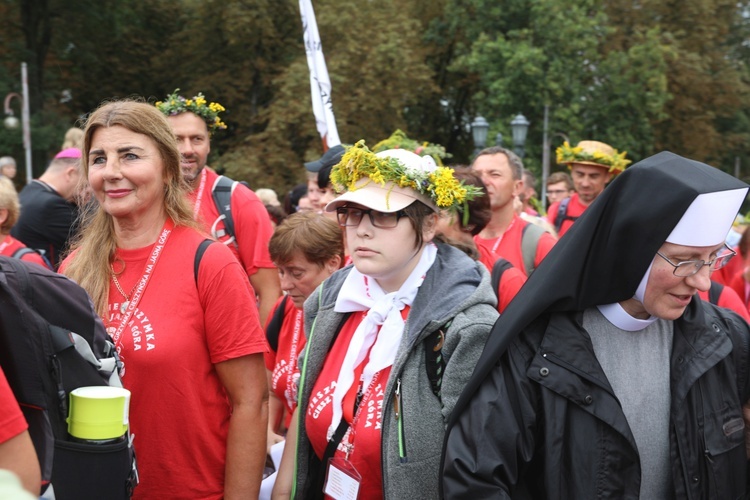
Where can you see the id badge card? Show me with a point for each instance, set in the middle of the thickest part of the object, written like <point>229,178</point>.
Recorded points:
<point>342,480</point>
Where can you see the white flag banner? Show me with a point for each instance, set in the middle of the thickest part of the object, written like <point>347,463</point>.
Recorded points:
<point>320,83</point>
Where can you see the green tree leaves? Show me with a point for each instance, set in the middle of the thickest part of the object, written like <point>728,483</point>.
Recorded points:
<point>643,76</point>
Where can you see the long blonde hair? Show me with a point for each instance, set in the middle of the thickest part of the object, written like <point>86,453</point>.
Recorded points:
<point>95,246</point>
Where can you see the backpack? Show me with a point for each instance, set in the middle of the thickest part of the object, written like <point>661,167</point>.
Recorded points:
<point>714,292</point>
<point>18,254</point>
<point>529,242</point>
<point>501,265</point>
<point>274,326</point>
<point>51,342</point>
<point>222,195</point>
<point>562,214</point>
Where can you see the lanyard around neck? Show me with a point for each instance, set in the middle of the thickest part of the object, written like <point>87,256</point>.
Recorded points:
<point>500,238</point>
<point>148,271</point>
<point>199,197</point>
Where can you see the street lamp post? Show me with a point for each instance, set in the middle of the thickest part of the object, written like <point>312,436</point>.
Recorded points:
<point>519,126</point>
<point>545,154</point>
<point>479,130</point>
<point>11,121</point>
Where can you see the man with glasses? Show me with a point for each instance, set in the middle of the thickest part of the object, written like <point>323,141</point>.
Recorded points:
<point>559,187</point>
<point>611,378</point>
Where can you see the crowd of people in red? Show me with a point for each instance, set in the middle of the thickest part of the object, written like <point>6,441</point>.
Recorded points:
<point>430,255</point>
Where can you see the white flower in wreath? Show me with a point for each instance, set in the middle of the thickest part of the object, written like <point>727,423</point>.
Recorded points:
<point>417,168</point>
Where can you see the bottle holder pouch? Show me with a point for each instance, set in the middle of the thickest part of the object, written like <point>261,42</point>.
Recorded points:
<point>88,471</point>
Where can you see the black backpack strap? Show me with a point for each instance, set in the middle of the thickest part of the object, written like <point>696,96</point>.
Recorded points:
<point>21,252</point>
<point>318,468</point>
<point>199,256</point>
<point>222,195</point>
<point>338,435</point>
<point>501,265</point>
<point>434,360</point>
<point>715,292</point>
<point>274,326</point>
<point>318,478</point>
<point>562,214</point>
<point>24,281</point>
<point>18,254</point>
<point>562,211</point>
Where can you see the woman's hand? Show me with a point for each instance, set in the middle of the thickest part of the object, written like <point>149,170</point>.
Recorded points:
<point>272,439</point>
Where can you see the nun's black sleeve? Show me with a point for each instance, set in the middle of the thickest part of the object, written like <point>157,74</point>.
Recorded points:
<point>493,439</point>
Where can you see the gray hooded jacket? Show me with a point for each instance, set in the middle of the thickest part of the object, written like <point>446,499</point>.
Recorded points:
<point>456,291</point>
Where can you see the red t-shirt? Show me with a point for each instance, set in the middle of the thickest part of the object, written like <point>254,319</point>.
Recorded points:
<point>252,226</point>
<point>508,245</point>
<point>511,280</point>
<point>179,411</point>
<point>486,255</point>
<point>510,283</point>
<point>575,209</point>
<point>10,245</point>
<point>741,288</point>
<point>365,434</point>
<point>283,362</point>
<point>12,421</point>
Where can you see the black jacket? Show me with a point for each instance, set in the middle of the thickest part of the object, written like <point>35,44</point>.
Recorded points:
<point>545,422</point>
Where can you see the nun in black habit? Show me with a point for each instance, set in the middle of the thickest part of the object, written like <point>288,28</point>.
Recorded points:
<point>607,376</point>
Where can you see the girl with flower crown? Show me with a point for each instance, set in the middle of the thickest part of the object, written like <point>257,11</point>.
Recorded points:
<point>392,339</point>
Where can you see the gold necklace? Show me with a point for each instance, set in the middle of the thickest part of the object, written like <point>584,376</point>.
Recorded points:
<point>125,304</point>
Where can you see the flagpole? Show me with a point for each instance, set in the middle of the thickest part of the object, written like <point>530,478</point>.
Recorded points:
<point>320,83</point>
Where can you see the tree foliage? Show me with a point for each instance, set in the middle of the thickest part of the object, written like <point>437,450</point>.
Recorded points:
<point>643,76</point>
<point>561,58</point>
<point>377,69</point>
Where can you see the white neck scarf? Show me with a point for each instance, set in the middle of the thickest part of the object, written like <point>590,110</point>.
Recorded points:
<point>362,293</point>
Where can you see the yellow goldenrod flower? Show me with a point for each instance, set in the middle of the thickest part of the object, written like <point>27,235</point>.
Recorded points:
<point>176,104</point>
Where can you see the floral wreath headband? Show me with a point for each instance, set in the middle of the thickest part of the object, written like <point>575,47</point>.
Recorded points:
<point>615,161</point>
<point>176,104</point>
<point>438,183</point>
<point>399,140</point>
